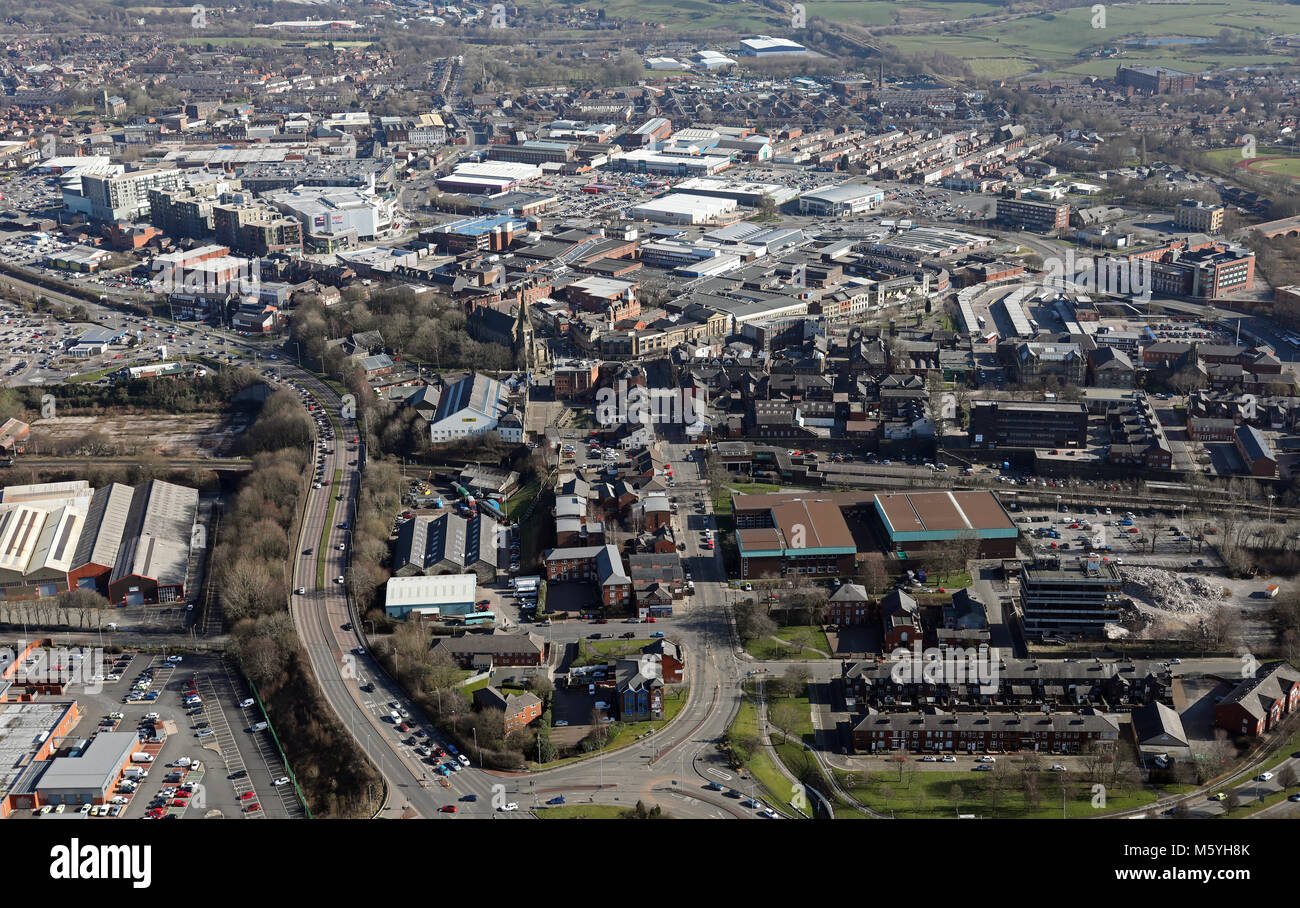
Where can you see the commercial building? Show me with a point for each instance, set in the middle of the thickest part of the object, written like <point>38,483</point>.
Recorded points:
<point>489,178</point>
<point>486,234</point>
<point>841,201</point>
<point>918,523</point>
<point>471,406</point>
<point>1027,424</point>
<point>333,211</point>
<point>767,46</point>
<point>120,197</point>
<point>1041,217</point>
<point>364,174</point>
<point>684,208</point>
<point>742,192</point>
<point>1156,80</point>
<point>1193,214</point>
<point>644,160</point>
<point>787,535</point>
<point>1207,272</point>
<point>1070,598</point>
<point>89,777</point>
<point>534,153</point>
<point>256,228</point>
<point>430,597</point>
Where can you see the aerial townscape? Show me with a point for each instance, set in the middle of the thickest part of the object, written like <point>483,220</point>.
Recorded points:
<point>715,410</point>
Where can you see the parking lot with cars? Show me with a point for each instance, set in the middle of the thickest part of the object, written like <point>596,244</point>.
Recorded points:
<point>190,714</point>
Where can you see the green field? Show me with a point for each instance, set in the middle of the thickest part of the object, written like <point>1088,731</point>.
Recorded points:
<point>804,643</point>
<point>581,812</point>
<point>930,795</point>
<point>1058,44</point>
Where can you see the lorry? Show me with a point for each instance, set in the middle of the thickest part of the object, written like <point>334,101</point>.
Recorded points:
<point>1271,591</point>
<point>135,773</point>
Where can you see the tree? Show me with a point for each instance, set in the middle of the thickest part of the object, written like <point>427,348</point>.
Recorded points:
<point>794,683</point>
<point>954,796</point>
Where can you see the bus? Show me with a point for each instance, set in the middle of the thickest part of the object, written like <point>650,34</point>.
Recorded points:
<point>480,618</point>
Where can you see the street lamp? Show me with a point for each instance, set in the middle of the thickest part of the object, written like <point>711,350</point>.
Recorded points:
<point>1271,496</point>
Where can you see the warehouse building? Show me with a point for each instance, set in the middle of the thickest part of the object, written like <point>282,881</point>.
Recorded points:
<point>788,535</point>
<point>153,558</point>
<point>447,544</point>
<point>430,597</point>
<point>767,46</point>
<point>684,208</point>
<point>841,201</point>
<point>921,522</point>
<point>471,406</point>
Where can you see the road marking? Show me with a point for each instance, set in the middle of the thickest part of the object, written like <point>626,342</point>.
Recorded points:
<point>719,773</point>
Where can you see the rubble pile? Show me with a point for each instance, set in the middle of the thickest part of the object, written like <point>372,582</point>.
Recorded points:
<point>1168,592</point>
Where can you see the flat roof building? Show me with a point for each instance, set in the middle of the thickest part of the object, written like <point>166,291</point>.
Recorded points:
<point>841,201</point>
<point>446,594</point>
<point>921,521</point>
<point>1070,598</point>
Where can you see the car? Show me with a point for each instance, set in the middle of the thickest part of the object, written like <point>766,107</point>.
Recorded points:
<point>657,634</point>
<point>205,732</point>
<point>1057,767</point>
<point>85,808</point>
<point>506,808</point>
<point>929,759</point>
<point>771,814</point>
<point>360,650</point>
<point>247,702</point>
<point>117,799</point>
<point>1263,777</point>
<point>248,795</point>
<point>947,758</point>
<point>561,723</point>
<point>146,715</point>
<point>987,758</point>
<point>558,799</point>
<point>253,807</point>
<point>283,780</point>
<point>464,760</point>
<point>714,786</point>
<point>448,808</point>
<point>1294,797</point>
<point>1220,796</point>
<point>301,591</point>
<point>173,659</point>
<point>983,767</point>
